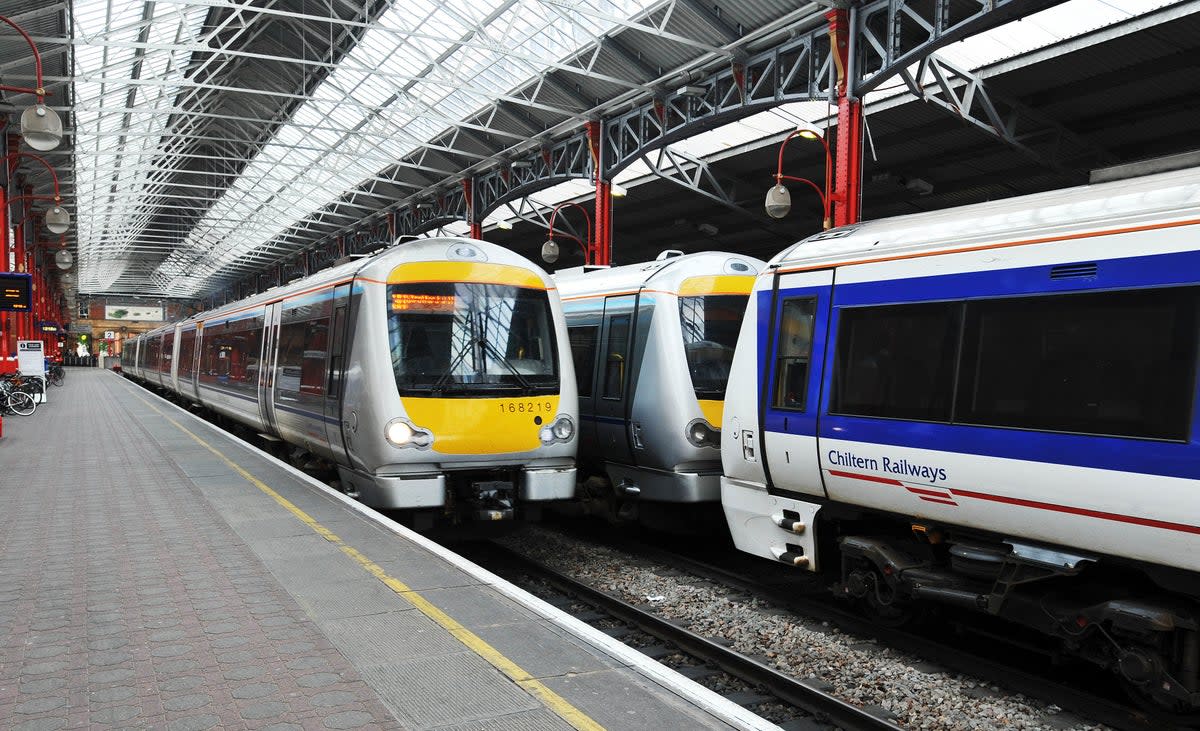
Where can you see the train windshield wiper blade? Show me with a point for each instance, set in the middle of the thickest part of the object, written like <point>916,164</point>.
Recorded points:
<point>526,386</point>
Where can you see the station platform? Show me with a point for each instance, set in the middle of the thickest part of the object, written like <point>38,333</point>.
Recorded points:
<point>158,573</point>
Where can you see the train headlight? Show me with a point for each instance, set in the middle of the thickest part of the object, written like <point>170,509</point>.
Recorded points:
<point>561,430</point>
<point>401,433</point>
<point>701,434</point>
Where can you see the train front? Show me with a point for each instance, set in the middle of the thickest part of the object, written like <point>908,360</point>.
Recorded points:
<point>474,402</point>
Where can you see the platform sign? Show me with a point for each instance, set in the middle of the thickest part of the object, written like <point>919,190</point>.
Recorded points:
<point>47,326</point>
<point>16,292</point>
<point>31,361</point>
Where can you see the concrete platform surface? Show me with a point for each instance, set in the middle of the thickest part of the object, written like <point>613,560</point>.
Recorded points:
<point>158,573</point>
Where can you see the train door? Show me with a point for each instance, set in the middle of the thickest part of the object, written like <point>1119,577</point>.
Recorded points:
<point>613,380</point>
<point>266,372</point>
<point>338,328</point>
<point>796,319</point>
<point>583,330</point>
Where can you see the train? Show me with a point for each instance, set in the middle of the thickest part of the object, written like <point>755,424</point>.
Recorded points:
<point>652,345</point>
<point>435,377</point>
<point>991,408</point>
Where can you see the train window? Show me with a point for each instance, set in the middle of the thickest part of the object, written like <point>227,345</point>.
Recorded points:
<point>231,353</point>
<point>584,339</point>
<point>793,352</point>
<point>187,351</point>
<point>618,353</point>
<point>1111,363</point>
<point>168,351</point>
<point>710,326</point>
<point>897,361</point>
<point>302,350</point>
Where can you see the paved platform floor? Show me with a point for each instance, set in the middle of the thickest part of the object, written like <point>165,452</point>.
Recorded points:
<point>156,573</point>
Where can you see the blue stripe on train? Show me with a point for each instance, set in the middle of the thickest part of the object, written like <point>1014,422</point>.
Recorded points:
<point>1143,456</point>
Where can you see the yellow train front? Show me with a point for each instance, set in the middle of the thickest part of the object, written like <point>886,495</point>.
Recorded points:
<point>459,388</point>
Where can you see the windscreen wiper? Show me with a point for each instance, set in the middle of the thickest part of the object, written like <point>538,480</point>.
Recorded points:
<point>525,384</point>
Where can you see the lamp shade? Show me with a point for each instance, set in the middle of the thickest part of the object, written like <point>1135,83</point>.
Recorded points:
<point>63,259</point>
<point>58,220</point>
<point>550,251</point>
<point>41,127</point>
<point>779,201</point>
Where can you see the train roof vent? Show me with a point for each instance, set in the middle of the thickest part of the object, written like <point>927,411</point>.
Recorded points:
<point>668,254</point>
<point>1074,271</point>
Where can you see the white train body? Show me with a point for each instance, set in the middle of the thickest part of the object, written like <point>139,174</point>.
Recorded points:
<point>1011,386</point>
<point>436,374</point>
<point>653,343</point>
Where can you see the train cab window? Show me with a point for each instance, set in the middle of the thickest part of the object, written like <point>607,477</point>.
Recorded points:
<point>618,354</point>
<point>710,325</point>
<point>897,361</point>
<point>793,352</point>
<point>584,339</point>
<point>1110,363</point>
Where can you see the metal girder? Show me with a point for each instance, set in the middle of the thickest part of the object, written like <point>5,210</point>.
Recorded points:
<point>964,94</point>
<point>564,160</point>
<point>892,34</point>
<point>800,69</point>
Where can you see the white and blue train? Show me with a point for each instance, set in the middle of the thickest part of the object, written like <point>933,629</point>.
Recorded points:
<point>992,407</point>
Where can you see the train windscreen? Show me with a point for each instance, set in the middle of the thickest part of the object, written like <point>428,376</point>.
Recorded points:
<point>710,326</point>
<point>471,339</point>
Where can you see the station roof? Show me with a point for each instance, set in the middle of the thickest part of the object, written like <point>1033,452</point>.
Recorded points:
<point>209,139</point>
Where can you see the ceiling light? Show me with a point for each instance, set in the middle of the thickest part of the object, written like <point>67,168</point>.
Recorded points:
<point>58,220</point>
<point>504,224</point>
<point>691,91</point>
<point>41,127</point>
<point>618,191</point>
<point>521,164</point>
<point>779,201</point>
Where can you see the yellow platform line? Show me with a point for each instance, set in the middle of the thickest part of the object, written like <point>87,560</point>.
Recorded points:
<point>556,703</point>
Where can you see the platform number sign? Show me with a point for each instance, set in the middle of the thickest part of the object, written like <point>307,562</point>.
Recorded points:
<point>16,292</point>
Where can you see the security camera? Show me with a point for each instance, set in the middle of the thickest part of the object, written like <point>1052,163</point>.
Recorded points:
<point>550,251</point>
<point>779,201</point>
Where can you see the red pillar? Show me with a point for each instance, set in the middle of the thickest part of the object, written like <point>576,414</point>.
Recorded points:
<point>847,192</point>
<point>5,335</point>
<point>601,252</point>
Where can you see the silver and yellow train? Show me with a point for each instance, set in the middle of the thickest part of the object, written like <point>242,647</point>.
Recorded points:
<point>436,376</point>
<point>652,345</point>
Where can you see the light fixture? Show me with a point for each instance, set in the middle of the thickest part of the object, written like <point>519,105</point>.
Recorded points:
<point>58,220</point>
<point>550,251</point>
<point>424,206</point>
<point>504,224</point>
<point>691,91</point>
<point>521,164</point>
<point>618,191</point>
<point>63,259</point>
<point>779,201</point>
<point>41,127</point>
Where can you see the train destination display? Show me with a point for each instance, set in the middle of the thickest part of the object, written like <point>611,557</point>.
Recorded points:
<point>16,292</point>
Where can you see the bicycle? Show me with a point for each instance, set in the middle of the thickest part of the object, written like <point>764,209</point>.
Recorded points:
<point>14,400</point>
<point>56,374</point>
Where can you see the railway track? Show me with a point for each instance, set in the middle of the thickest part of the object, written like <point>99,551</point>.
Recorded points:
<point>791,703</point>
<point>798,593</point>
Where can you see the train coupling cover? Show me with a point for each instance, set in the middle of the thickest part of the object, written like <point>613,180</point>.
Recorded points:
<point>492,500</point>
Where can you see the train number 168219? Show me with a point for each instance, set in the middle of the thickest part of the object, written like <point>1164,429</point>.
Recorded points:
<point>525,407</point>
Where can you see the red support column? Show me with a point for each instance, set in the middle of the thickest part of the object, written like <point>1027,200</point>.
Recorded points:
<point>847,193</point>
<point>19,251</point>
<point>602,240</point>
<point>5,320</point>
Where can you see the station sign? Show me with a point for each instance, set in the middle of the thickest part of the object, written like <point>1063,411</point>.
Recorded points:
<point>16,292</point>
<point>31,357</point>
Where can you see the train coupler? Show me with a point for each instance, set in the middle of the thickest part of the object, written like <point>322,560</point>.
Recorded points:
<point>491,500</point>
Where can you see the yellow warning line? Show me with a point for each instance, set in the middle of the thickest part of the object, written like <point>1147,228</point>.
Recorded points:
<point>556,703</point>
